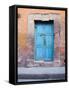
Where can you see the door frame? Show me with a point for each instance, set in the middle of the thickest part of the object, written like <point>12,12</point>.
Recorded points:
<point>45,17</point>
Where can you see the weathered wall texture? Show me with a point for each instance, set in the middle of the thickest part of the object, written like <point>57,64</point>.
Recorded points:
<point>26,39</point>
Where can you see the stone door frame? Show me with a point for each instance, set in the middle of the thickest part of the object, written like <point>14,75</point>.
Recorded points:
<point>46,17</point>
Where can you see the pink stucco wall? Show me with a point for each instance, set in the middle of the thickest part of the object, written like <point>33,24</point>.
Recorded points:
<point>23,28</point>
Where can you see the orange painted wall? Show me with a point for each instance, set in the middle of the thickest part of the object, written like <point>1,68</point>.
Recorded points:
<point>23,23</point>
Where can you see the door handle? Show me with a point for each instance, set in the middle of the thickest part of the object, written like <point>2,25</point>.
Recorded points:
<point>44,42</point>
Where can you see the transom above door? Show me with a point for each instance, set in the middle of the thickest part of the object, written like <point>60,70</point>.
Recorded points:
<point>44,40</point>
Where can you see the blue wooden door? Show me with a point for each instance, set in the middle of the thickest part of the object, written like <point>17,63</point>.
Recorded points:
<point>44,40</point>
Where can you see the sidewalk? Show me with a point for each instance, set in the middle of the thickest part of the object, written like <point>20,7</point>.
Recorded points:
<point>40,74</point>
<point>41,70</point>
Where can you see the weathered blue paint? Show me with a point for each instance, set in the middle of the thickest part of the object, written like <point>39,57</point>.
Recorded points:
<point>44,40</point>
